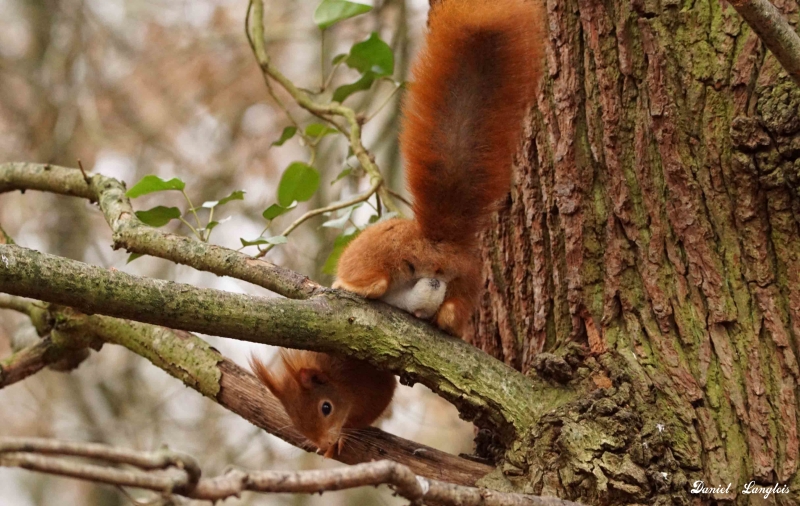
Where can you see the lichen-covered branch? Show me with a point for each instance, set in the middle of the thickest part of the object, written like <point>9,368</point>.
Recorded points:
<point>57,351</point>
<point>28,361</point>
<point>171,473</point>
<point>774,31</point>
<point>19,304</point>
<point>200,367</point>
<point>136,237</point>
<point>482,388</point>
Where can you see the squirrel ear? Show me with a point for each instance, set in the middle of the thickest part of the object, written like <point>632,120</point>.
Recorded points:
<point>265,375</point>
<point>309,378</point>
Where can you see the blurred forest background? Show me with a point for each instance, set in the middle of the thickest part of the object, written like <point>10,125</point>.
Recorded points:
<point>170,87</point>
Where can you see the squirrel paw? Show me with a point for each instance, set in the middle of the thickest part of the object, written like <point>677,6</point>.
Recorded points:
<point>371,290</point>
<point>452,317</point>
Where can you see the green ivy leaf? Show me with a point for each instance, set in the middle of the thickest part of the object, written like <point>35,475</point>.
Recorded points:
<point>343,174</point>
<point>319,130</point>
<point>151,184</point>
<point>341,221</point>
<point>338,247</point>
<point>236,195</point>
<point>372,55</point>
<point>212,225</point>
<point>386,216</point>
<point>278,239</point>
<point>287,134</point>
<point>298,183</point>
<point>254,242</point>
<point>159,215</point>
<point>339,58</point>
<point>133,256</point>
<point>330,12</point>
<point>344,91</point>
<point>273,212</point>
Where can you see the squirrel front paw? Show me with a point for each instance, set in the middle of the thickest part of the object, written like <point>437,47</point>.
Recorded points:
<point>453,317</point>
<point>372,289</point>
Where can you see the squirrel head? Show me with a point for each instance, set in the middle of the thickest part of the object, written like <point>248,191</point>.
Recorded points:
<point>313,401</point>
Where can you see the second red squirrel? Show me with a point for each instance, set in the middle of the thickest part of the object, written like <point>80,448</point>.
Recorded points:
<point>325,395</point>
<point>462,119</point>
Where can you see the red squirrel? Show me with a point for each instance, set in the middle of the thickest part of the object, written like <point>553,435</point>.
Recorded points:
<point>462,119</point>
<point>325,395</point>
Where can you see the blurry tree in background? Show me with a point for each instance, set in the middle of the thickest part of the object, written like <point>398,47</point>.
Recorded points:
<point>171,88</point>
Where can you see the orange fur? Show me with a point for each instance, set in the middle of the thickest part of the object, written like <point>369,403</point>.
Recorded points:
<point>462,119</point>
<point>304,380</point>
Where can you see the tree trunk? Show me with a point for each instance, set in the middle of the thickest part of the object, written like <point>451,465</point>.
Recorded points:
<point>649,257</point>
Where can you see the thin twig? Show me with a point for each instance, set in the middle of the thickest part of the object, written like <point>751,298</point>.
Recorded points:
<point>400,198</point>
<point>85,177</point>
<point>384,103</point>
<point>322,210</point>
<point>255,35</point>
<point>161,459</point>
<point>270,89</point>
<point>774,31</point>
<point>179,474</point>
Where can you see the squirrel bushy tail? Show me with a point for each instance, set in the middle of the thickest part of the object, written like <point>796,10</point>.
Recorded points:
<point>462,118</point>
<point>462,115</point>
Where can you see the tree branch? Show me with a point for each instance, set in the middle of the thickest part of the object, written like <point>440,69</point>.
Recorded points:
<point>27,361</point>
<point>191,360</point>
<point>481,387</point>
<point>774,31</point>
<point>19,304</point>
<point>172,473</point>
<point>136,237</point>
<point>59,351</point>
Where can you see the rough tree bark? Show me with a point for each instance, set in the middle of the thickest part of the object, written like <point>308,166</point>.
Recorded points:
<point>650,245</point>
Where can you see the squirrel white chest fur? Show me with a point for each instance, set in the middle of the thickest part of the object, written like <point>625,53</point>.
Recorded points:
<point>421,298</point>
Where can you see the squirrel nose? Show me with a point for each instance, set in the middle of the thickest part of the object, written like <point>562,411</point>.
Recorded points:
<point>435,283</point>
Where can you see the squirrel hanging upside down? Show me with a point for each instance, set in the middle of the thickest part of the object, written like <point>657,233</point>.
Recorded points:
<point>473,82</point>
<point>462,118</point>
<point>325,396</point>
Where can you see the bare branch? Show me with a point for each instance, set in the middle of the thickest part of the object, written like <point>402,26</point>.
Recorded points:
<point>481,387</point>
<point>161,459</point>
<point>27,453</point>
<point>774,31</point>
<point>161,482</point>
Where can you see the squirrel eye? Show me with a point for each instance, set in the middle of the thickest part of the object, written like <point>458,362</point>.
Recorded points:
<point>326,408</point>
